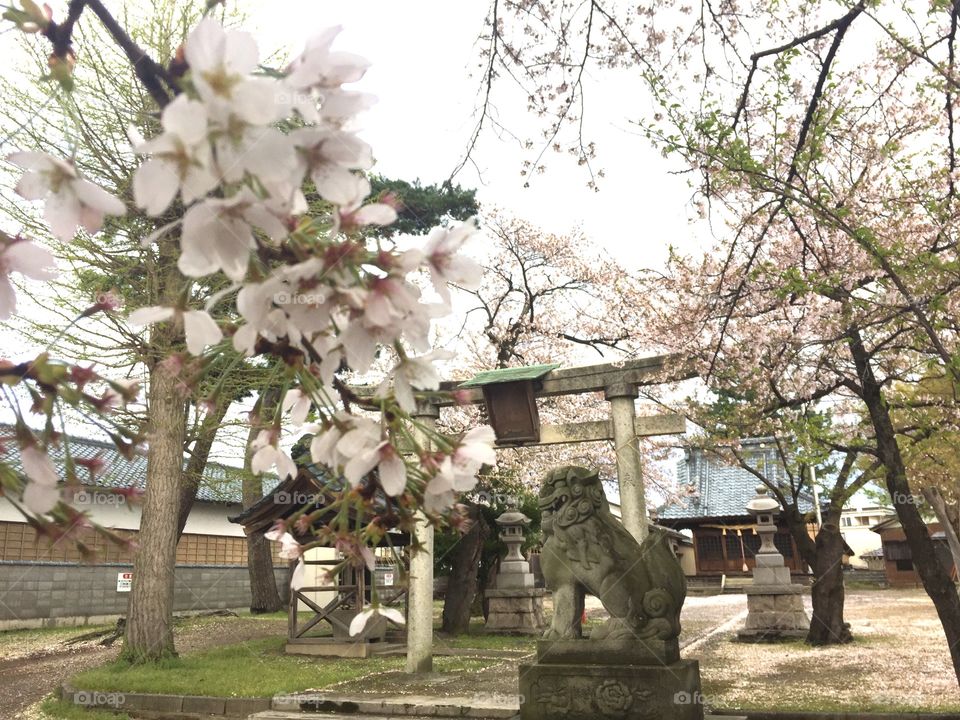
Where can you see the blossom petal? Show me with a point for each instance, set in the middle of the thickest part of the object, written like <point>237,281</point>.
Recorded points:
<point>201,330</point>
<point>155,184</point>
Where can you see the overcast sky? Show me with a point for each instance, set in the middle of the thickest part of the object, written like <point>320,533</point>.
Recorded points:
<point>425,71</point>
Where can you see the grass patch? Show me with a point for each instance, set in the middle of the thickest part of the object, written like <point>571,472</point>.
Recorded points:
<point>57,709</point>
<point>478,639</point>
<point>257,668</point>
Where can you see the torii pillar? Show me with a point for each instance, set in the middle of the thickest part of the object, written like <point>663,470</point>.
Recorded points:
<point>420,588</point>
<point>623,418</point>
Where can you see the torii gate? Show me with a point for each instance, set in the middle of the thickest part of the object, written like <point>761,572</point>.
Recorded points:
<point>514,417</point>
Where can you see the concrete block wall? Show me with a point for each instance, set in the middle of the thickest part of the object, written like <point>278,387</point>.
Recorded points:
<point>49,593</point>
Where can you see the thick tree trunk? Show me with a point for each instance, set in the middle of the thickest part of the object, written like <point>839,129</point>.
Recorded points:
<point>264,597</point>
<point>935,578</point>
<point>462,585</point>
<point>827,626</point>
<point>149,630</point>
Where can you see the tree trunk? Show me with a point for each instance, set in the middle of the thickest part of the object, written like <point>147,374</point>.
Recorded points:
<point>827,626</point>
<point>193,473</point>
<point>149,630</point>
<point>935,578</point>
<point>264,597</point>
<point>462,584</point>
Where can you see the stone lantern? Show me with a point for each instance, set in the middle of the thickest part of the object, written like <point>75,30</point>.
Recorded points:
<point>515,604</point>
<point>514,568</point>
<point>774,603</point>
<point>765,509</point>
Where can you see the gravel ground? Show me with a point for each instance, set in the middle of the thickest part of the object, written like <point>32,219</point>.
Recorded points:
<point>899,660</point>
<point>34,663</point>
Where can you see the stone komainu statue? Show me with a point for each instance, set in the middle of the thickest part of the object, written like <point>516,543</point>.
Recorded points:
<point>587,550</point>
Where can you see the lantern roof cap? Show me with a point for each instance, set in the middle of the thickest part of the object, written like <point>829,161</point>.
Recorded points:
<point>513,517</point>
<point>504,375</point>
<point>762,503</point>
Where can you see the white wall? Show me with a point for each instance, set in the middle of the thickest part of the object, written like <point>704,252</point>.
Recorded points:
<point>112,511</point>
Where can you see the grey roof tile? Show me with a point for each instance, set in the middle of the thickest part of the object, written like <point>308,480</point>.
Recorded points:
<point>221,483</point>
<point>721,490</point>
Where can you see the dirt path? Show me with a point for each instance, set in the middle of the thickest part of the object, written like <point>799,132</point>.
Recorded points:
<point>28,673</point>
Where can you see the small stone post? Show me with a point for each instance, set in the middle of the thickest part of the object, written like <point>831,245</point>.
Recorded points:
<point>623,417</point>
<point>420,592</point>
<point>515,605</point>
<point>774,604</point>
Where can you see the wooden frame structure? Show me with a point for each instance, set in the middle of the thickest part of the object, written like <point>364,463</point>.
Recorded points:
<point>351,588</point>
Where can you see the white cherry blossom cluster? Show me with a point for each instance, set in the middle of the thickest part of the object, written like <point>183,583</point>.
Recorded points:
<point>261,176</point>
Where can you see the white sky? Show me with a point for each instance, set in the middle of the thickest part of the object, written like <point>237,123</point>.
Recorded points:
<point>425,64</point>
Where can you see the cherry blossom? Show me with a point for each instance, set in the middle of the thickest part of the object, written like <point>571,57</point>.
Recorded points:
<point>445,262</point>
<point>71,201</point>
<point>217,235</point>
<point>181,159</point>
<point>310,289</point>
<point>200,329</point>
<point>361,619</point>
<point>24,257</point>
<point>41,493</point>
<point>220,65</point>
<point>318,74</point>
<point>458,472</point>
<point>419,373</point>
<point>296,404</point>
<point>290,549</point>
<point>267,455</point>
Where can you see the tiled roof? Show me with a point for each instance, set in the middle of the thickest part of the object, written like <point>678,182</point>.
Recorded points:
<point>221,483</point>
<point>721,490</point>
<point>875,553</point>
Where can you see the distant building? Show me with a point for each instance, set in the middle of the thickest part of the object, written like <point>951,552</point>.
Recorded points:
<point>873,559</point>
<point>898,558</point>
<point>51,584</point>
<point>856,523</point>
<point>714,510</point>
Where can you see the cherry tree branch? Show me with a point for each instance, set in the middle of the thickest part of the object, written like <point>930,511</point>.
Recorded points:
<point>151,74</point>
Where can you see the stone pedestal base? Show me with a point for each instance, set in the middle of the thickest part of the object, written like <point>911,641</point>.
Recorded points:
<point>775,612</point>
<point>515,611</point>
<point>586,680</point>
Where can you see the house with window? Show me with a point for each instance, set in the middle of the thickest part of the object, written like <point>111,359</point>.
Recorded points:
<point>712,508</point>
<point>898,558</point>
<point>61,583</point>
<point>857,521</point>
